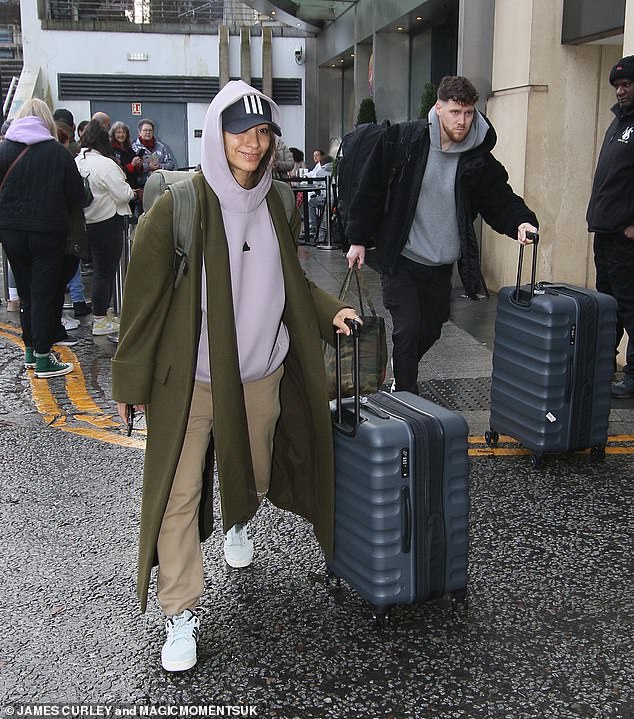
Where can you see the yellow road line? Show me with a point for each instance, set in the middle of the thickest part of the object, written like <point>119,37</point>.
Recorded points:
<point>91,413</point>
<point>53,414</point>
<point>80,396</point>
<point>109,437</point>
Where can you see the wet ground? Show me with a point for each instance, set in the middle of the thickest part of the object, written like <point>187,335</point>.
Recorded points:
<point>547,632</point>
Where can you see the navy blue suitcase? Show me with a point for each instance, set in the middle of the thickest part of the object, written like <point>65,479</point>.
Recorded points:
<point>553,361</point>
<point>401,499</point>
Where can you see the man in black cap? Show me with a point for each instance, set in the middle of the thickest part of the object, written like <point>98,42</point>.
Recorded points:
<point>610,214</point>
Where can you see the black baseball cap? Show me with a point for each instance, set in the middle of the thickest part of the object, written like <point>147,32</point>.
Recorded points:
<point>247,112</point>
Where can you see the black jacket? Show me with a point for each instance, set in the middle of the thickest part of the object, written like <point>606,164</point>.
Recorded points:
<point>41,189</point>
<point>611,206</point>
<point>382,210</point>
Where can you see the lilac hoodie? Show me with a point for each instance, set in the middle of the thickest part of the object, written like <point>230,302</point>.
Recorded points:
<point>257,281</point>
<point>29,130</point>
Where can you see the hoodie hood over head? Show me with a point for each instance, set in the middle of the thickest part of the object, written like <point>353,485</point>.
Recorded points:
<point>29,130</point>
<point>475,137</point>
<point>213,159</point>
<point>257,282</point>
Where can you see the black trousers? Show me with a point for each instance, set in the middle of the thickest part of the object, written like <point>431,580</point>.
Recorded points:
<point>614,262</point>
<point>418,298</point>
<point>37,260</point>
<point>106,244</point>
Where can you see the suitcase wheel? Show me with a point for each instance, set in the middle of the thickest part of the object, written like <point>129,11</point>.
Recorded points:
<point>536,460</point>
<point>381,616</point>
<point>458,599</point>
<point>597,454</point>
<point>491,437</point>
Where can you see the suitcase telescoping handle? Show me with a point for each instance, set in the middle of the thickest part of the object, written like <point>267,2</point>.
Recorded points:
<point>352,420</point>
<point>517,295</point>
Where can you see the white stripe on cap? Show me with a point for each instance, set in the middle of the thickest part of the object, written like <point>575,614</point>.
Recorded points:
<point>253,105</point>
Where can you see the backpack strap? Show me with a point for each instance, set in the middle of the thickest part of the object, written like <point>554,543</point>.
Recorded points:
<point>287,196</point>
<point>184,212</point>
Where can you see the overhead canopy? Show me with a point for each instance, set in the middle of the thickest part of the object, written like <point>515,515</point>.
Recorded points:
<point>309,15</point>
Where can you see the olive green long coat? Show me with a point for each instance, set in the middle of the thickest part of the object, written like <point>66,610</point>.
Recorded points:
<point>155,364</point>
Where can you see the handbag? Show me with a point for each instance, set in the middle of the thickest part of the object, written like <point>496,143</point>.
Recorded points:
<point>77,238</point>
<point>88,196</point>
<point>372,346</point>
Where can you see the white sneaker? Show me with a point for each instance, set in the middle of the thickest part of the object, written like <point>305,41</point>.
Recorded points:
<point>104,326</point>
<point>69,323</point>
<point>179,651</point>
<point>238,546</point>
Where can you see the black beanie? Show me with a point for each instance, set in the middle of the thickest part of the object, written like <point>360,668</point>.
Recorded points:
<point>623,70</point>
<point>64,115</point>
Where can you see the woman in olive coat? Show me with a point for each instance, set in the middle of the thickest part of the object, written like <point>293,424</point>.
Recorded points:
<point>239,337</point>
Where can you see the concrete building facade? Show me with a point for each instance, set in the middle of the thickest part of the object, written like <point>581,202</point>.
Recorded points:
<point>541,67</point>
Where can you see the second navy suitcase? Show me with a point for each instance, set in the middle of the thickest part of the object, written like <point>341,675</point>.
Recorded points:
<point>553,362</point>
<point>401,499</point>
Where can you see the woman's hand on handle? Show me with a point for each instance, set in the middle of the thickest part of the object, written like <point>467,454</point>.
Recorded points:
<point>339,320</point>
<point>122,410</point>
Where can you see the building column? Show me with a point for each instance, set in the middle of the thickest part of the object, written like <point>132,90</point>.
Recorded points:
<point>391,76</point>
<point>267,61</point>
<point>550,108</point>
<point>475,44</point>
<point>245,54</point>
<point>223,55</point>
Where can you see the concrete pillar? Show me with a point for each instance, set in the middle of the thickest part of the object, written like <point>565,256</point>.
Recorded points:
<point>546,107</point>
<point>628,32</point>
<point>362,55</point>
<point>391,76</point>
<point>475,44</point>
<point>267,61</point>
<point>245,54</point>
<point>223,55</point>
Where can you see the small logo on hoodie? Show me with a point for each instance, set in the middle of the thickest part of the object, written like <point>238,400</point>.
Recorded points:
<point>246,248</point>
<point>627,133</point>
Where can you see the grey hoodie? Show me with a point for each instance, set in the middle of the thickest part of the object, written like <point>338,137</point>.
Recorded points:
<point>257,282</point>
<point>433,237</point>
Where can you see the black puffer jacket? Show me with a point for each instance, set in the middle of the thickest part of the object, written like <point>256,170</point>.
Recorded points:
<point>41,189</point>
<point>611,206</point>
<point>382,210</point>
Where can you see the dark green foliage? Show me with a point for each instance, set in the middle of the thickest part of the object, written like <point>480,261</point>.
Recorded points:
<point>367,111</point>
<point>427,100</point>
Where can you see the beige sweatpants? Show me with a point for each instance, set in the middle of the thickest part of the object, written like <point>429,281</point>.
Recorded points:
<point>180,575</point>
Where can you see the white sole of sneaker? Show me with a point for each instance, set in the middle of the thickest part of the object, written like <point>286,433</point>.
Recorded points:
<point>58,373</point>
<point>181,666</point>
<point>238,564</point>
<point>103,333</point>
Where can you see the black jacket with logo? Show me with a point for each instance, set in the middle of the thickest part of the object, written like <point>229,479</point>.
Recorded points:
<point>611,206</point>
<point>382,210</point>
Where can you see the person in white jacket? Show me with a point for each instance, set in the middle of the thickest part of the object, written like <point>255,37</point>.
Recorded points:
<point>104,219</point>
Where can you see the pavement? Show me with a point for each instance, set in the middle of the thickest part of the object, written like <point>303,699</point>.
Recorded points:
<point>547,632</point>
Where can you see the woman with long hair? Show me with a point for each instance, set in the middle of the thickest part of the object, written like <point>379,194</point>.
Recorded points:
<point>39,187</point>
<point>104,219</point>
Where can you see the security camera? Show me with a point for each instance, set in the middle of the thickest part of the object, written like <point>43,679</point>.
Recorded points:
<point>299,55</point>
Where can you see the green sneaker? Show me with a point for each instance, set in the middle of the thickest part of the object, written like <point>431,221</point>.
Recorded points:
<point>49,366</point>
<point>29,357</point>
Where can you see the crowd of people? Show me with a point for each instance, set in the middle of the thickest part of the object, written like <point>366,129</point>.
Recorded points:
<point>228,364</point>
<point>88,205</point>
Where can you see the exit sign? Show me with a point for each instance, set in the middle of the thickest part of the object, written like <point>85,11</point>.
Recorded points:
<point>136,108</point>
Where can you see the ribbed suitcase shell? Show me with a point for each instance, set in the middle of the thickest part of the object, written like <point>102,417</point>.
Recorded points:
<point>553,361</point>
<point>402,501</point>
